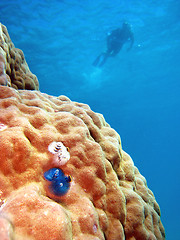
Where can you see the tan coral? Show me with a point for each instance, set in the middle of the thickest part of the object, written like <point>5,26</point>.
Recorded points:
<point>4,78</point>
<point>108,197</point>
<point>14,70</point>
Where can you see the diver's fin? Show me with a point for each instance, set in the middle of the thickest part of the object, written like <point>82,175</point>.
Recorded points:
<point>100,60</point>
<point>103,59</point>
<point>96,62</point>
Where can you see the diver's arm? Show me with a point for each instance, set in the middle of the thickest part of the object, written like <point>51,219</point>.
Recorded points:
<point>110,37</point>
<point>131,41</point>
<point>113,36</point>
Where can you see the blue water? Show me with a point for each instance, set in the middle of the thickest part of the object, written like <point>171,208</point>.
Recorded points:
<point>137,91</point>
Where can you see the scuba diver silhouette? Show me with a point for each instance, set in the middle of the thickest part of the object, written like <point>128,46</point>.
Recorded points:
<point>115,41</point>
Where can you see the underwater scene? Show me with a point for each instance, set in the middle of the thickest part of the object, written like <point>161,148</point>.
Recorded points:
<point>121,58</point>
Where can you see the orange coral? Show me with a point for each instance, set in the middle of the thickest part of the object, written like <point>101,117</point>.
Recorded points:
<point>14,70</point>
<point>108,197</point>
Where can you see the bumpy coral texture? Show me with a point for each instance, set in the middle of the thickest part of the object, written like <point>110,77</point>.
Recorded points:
<point>14,70</point>
<point>108,197</point>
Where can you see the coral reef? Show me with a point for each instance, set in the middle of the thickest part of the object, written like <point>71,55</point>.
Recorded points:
<point>63,173</point>
<point>108,198</point>
<point>14,70</point>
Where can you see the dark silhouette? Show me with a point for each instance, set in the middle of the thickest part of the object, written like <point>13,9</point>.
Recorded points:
<point>115,41</point>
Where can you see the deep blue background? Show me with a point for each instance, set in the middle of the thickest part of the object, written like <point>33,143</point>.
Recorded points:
<point>137,91</point>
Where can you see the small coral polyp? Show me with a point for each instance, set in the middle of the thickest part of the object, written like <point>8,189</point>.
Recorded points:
<point>60,152</point>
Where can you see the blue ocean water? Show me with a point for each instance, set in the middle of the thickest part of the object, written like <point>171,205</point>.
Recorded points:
<point>136,91</point>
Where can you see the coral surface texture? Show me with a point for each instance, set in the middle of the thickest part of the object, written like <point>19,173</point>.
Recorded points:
<point>108,198</point>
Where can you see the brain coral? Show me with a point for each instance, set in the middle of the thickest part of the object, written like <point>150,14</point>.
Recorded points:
<point>108,197</point>
<point>14,70</point>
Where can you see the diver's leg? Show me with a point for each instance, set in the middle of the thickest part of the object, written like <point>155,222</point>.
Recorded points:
<point>115,51</point>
